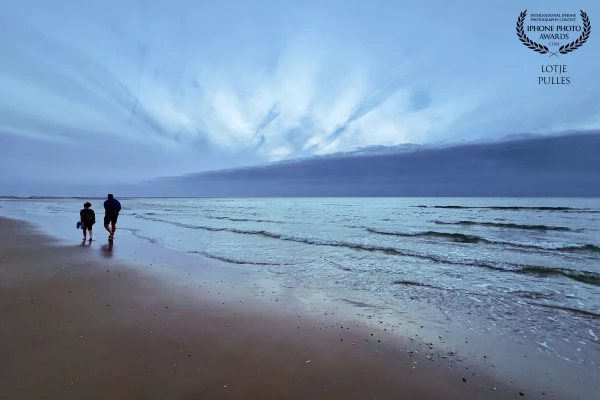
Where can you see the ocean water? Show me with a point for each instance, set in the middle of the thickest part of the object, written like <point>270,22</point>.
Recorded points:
<point>527,268</point>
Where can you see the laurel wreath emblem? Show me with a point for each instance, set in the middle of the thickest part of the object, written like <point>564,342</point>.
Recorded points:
<point>587,28</point>
<point>564,49</point>
<point>525,40</point>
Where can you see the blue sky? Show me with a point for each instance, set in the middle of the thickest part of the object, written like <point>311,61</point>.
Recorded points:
<point>120,91</point>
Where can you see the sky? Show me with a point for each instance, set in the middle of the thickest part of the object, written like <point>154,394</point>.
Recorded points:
<point>117,92</point>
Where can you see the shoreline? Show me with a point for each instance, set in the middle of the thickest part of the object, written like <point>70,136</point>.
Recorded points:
<point>244,329</point>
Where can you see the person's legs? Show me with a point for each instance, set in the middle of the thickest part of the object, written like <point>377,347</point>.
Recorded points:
<point>84,232</point>
<point>90,233</point>
<point>113,222</point>
<point>106,222</point>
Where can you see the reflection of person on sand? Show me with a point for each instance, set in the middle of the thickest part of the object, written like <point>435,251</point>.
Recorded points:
<point>88,218</point>
<point>111,208</point>
<point>107,249</point>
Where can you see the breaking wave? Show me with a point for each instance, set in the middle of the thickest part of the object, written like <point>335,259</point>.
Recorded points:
<point>582,313</point>
<point>591,278</point>
<point>455,237</point>
<point>246,220</point>
<point>541,228</point>
<point>462,238</point>
<point>516,208</point>
<point>232,260</point>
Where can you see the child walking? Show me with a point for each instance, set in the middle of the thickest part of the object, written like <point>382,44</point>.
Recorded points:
<point>88,218</point>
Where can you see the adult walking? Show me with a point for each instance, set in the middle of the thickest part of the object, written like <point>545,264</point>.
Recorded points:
<point>111,208</point>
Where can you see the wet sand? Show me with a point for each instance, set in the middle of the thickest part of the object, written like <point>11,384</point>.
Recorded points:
<point>76,326</point>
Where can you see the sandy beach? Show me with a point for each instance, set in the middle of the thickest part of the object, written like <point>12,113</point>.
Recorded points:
<point>72,328</point>
<point>80,324</point>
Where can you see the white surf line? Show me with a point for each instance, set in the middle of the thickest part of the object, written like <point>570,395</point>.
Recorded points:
<point>545,344</point>
<point>592,333</point>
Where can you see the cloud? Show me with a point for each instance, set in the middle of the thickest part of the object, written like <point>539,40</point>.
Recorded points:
<point>201,86</point>
<point>552,165</point>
